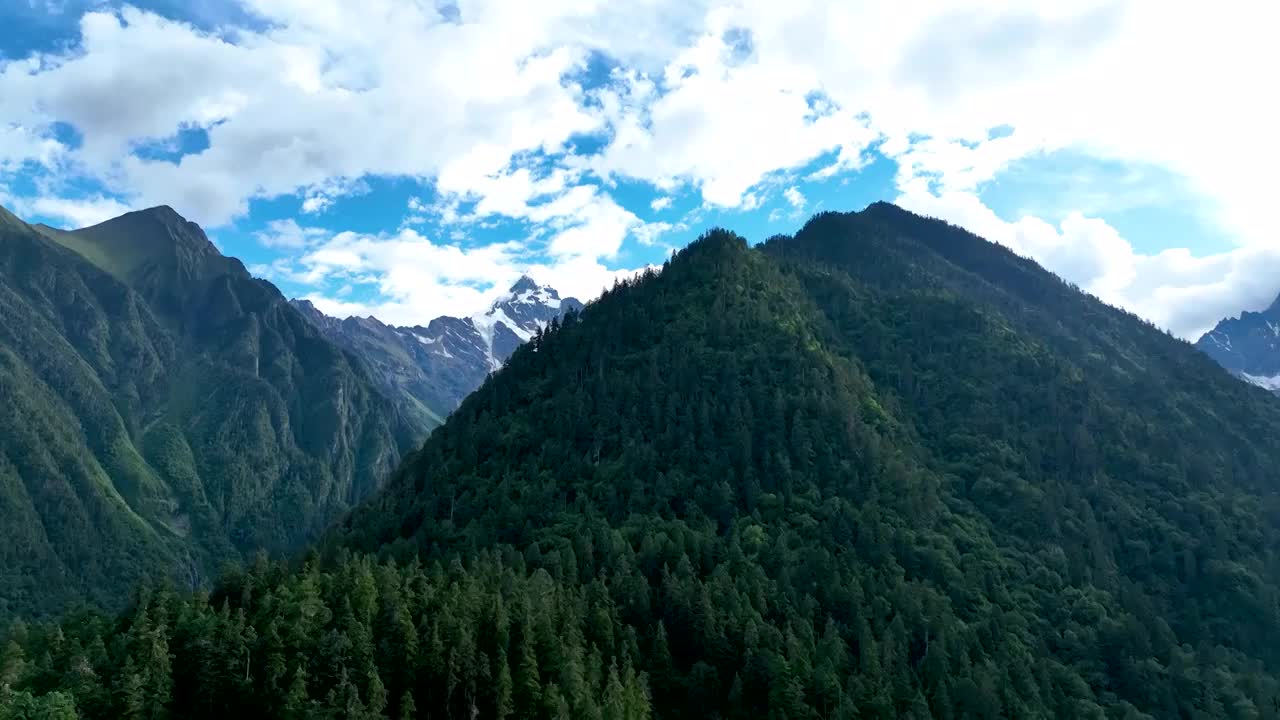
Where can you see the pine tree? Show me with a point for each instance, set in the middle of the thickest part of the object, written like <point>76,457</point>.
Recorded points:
<point>528,683</point>
<point>504,691</point>
<point>297,703</point>
<point>408,709</point>
<point>614,706</point>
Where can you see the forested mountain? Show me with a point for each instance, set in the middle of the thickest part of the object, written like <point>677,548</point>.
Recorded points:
<point>879,469</point>
<point>429,370</point>
<point>164,411</point>
<point>1248,346</point>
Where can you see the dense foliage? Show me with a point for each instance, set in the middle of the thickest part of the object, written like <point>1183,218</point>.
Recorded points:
<point>163,411</point>
<point>357,641</point>
<point>880,469</point>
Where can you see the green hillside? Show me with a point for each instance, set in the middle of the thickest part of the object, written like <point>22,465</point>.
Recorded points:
<point>166,412</point>
<point>879,469</point>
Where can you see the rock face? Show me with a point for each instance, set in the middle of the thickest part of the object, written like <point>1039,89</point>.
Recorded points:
<point>1248,346</point>
<point>429,369</point>
<point>164,411</point>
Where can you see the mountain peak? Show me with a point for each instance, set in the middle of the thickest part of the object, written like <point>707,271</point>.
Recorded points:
<point>161,213</point>
<point>524,283</point>
<point>8,219</point>
<point>816,356</point>
<point>431,367</point>
<point>1248,345</point>
<point>154,238</point>
<point>883,206</point>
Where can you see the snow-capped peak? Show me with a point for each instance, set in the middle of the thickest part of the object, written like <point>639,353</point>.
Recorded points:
<point>515,317</point>
<point>1248,346</point>
<point>449,356</point>
<point>527,291</point>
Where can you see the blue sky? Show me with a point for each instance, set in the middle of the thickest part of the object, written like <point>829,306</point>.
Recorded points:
<point>410,158</point>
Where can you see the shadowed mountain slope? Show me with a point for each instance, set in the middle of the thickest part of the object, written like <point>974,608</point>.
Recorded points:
<point>880,469</point>
<point>168,412</point>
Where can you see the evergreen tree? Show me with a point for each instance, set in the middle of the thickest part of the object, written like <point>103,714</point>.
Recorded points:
<point>877,470</point>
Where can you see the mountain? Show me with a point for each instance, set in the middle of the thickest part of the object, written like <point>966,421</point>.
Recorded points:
<point>881,468</point>
<point>430,369</point>
<point>165,411</point>
<point>1248,346</point>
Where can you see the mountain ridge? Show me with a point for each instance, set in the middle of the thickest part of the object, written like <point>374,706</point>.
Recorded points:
<point>173,411</point>
<point>961,398</point>
<point>431,368</point>
<point>1248,346</point>
<point>880,468</point>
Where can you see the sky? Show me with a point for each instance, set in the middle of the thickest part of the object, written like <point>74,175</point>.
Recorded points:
<point>412,158</point>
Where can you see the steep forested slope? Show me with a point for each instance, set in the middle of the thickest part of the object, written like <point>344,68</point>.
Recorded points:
<point>880,469</point>
<point>163,411</point>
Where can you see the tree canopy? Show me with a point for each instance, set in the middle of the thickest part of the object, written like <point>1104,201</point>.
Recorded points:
<point>880,469</point>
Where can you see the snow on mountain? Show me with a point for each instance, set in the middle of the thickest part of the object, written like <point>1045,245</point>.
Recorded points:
<point>1271,383</point>
<point>430,369</point>
<point>1248,346</point>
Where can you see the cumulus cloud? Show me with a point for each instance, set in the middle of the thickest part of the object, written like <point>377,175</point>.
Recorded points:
<point>415,278</point>
<point>794,197</point>
<point>1182,293</point>
<point>650,232</point>
<point>288,234</point>
<point>723,122</point>
<point>68,213</point>
<point>725,99</point>
<point>305,102</point>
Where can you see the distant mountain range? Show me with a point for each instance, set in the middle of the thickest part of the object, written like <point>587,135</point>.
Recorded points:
<point>429,370</point>
<point>164,411</point>
<point>1248,346</point>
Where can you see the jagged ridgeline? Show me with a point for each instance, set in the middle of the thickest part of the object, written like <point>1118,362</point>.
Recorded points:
<point>163,411</point>
<point>428,370</point>
<point>879,469</point>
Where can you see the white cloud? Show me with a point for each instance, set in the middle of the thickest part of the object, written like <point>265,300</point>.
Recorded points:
<point>723,123</point>
<point>718,97</point>
<point>68,213</point>
<point>19,145</point>
<point>794,197</point>
<point>1176,290</point>
<point>304,102</point>
<point>322,93</point>
<point>316,203</point>
<point>415,278</point>
<point>288,234</point>
<point>579,277</point>
<point>648,234</point>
